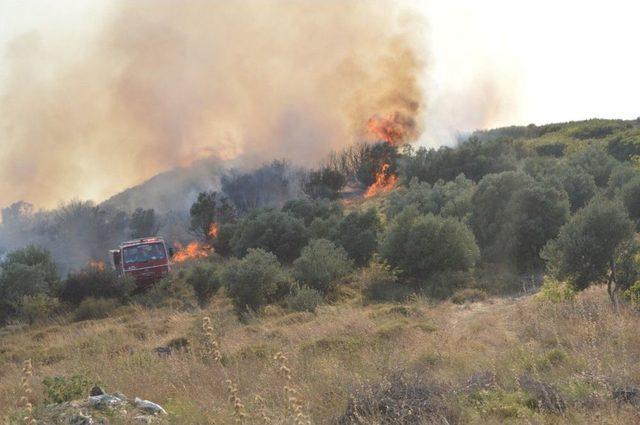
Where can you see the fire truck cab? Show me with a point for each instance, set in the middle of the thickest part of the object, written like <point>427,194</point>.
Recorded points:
<point>147,260</point>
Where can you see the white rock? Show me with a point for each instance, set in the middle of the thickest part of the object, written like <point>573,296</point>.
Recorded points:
<point>149,406</point>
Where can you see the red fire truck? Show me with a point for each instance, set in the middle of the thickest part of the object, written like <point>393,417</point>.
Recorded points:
<point>147,260</point>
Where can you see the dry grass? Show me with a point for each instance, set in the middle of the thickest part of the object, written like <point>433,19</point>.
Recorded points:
<point>583,349</point>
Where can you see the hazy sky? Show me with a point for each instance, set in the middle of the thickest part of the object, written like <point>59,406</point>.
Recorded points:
<point>551,60</point>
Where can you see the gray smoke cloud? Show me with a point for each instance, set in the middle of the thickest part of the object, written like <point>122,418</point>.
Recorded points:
<point>165,83</point>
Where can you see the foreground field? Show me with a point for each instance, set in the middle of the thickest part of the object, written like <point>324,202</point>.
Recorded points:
<point>496,361</point>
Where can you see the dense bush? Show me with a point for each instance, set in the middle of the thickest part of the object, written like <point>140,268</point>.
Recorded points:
<point>24,273</point>
<point>172,291</point>
<point>579,185</point>
<point>320,264</point>
<point>204,281</point>
<point>273,231</point>
<point>95,282</point>
<point>39,307</point>
<point>380,283</point>
<point>357,233</point>
<point>255,280</point>
<point>95,308</point>
<point>421,247</point>
<point>554,291</point>
<point>303,298</point>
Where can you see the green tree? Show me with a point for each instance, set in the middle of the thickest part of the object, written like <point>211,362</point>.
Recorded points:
<point>320,264</point>
<point>596,162</point>
<point>589,246</point>
<point>490,201</point>
<point>143,223</point>
<point>420,247</point>
<point>579,185</point>
<point>630,196</point>
<point>357,233</point>
<point>534,215</point>
<point>255,280</point>
<point>274,231</point>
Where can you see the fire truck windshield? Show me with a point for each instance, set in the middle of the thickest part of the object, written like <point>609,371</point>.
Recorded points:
<point>144,253</point>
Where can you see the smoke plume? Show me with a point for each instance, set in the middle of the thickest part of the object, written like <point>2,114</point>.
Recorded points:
<point>165,83</point>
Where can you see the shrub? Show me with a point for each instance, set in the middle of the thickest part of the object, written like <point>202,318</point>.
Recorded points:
<point>255,280</point>
<point>58,389</point>
<point>172,291</point>
<point>468,295</point>
<point>93,282</point>
<point>633,293</point>
<point>421,246</point>
<point>204,281</point>
<point>25,272</point>
<point>380,283</point>
<point>357,233</point>
<point>320,264</point>
<point>303,298</point>
<point>95,308</point>
<point>39,307</point>
<point>273,231</point>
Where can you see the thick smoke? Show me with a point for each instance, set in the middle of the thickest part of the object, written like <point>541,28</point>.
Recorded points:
<point>165,83</point>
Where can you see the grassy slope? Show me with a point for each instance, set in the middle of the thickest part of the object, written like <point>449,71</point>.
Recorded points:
<point>582,348</point>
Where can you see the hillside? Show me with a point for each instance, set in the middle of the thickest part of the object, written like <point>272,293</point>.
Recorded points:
<point>493,282</point>
<point>469,364</point>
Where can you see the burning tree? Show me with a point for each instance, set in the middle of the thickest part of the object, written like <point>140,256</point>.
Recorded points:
<point>378,171</point>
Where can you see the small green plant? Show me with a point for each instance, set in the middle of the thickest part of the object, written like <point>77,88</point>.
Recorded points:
<point>633,294</point>
<point>58,389</point>
<point>303,299</point>
<point>555,292</point>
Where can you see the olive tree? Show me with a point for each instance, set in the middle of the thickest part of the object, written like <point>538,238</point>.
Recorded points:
<point>591,245</point>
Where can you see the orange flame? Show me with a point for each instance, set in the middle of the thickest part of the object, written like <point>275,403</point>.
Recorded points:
<point>192,251</point>
<point>213,230</point>
<point>393,128</point>
<point>383,184</point>
<point>96,264</point>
